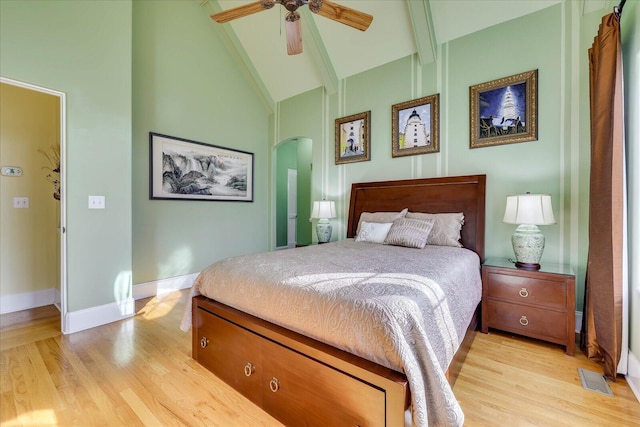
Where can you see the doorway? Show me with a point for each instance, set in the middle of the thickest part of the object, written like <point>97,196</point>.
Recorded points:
<point>293,162</point>
<point>33,220</point>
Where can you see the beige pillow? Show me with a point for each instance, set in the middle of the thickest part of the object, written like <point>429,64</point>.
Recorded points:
<point>412,233</point>
<point>380,217</point>
<point>446,227</point>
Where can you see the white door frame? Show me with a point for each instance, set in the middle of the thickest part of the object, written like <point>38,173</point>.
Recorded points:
<point>63,192</point>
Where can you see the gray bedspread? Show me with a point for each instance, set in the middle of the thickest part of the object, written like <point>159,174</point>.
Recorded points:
<point>406,309</point>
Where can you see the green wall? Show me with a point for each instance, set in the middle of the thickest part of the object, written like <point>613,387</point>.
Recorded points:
<point>84,50</point>
<point>186,84</point>
<point>304,160</point>
<point>553,164</point>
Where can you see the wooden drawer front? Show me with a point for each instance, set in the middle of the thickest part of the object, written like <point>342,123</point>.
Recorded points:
<point>227,352</point>
<point>297,402</point>
<point>527,320</point>
<point>525,290</point>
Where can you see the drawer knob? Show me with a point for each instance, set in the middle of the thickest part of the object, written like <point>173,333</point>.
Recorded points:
<point>274,384</point>
<point>204,342</point>
<point>524,321</point>
<point>523,293</point>
<point>249,369</point>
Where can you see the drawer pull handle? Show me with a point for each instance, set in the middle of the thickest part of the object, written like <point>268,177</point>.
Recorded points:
<point>274,384</point>
<point>249,369</point>
<point>523,293</point>
<point>204,342</point>
<point>524,321</point>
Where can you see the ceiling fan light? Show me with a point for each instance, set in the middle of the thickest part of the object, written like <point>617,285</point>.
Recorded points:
<point>293,31</point>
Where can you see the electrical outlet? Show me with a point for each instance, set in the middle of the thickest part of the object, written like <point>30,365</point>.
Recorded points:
<point>96,202</point>
<point>21,202</point>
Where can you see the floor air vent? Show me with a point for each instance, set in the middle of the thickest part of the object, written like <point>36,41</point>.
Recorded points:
<point>594,381</point>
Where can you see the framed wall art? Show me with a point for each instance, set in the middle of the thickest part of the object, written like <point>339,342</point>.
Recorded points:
<point>414,126</point>
<point>504,111</point>
<point>181,169</point>
<point>352,138</point>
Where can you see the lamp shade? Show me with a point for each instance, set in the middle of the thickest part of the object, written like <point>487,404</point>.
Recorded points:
<point>531,209</point>
<point>323,209</point>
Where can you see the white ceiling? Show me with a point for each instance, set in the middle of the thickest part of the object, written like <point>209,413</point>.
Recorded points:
<point>333,51</point>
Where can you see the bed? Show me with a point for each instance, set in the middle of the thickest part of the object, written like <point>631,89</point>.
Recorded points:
<point>301,353</point>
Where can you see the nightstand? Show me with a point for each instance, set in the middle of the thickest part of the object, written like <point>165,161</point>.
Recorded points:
<point>535,303</point>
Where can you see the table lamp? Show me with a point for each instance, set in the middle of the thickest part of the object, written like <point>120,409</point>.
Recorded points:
<point>528,211</point>
<point>323,211</point>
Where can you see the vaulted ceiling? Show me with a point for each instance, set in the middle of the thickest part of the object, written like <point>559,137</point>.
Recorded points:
<point>333,51</point>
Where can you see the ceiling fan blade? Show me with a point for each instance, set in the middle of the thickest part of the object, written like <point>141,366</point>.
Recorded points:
<point>345,15</point>
<point>293,30</point>
<point>241,11</point>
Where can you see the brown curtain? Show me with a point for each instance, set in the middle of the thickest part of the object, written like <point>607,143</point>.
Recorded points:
<point>602,332</point>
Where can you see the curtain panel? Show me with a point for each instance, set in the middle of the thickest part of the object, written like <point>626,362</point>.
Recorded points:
<point>602,331</point>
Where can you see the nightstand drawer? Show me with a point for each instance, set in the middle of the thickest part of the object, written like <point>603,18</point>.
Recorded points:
<point>526,290</point>
<point>526,320</point>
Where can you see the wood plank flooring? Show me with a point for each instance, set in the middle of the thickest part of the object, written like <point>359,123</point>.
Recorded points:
<point>139,372</point>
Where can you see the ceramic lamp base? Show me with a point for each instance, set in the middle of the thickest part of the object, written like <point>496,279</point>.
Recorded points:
<point>528,245</point>
<point>323,230</point>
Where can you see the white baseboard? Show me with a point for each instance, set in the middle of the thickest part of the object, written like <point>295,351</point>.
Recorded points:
<point>157,287</point>
<point>633,374</point>
<point>91,317</point>
<point>79,320</point>
<point>26,300</point>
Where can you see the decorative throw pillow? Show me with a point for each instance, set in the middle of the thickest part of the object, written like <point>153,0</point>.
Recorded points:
<point>412,233</point>
<point>446,228</point>
<point>380,217</point>
<point>374,232</point>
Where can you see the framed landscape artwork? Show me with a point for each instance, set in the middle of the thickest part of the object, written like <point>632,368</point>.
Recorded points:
<point>181,169</point>
<point>504,111</point>
<point>352,138</point>
<point>414,126</point>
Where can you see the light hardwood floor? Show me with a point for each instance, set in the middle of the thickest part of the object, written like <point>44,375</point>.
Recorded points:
<point>139,372</point>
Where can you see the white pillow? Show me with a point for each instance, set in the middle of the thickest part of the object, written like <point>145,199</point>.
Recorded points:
<point>380,217</point>
<point>374,232</point>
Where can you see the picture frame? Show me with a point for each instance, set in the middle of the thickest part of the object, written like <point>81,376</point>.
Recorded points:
<point>504,111</point>
<point>422,116</point>
<point>181,169</point>
<point>353,138</point>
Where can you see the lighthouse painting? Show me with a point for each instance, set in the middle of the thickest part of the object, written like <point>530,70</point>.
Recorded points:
<point>415,126</point>
<point>504,111</point>
<point>352,138</point>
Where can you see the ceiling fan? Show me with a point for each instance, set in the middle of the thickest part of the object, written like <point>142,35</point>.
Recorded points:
<point>326,8</point>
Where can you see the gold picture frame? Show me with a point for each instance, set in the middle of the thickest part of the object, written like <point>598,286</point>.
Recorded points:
<point>420,118</point>
<point>353,138</point>
<point>504,111</point>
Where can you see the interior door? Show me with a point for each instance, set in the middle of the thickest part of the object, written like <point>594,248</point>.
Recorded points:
<point>292,206</point>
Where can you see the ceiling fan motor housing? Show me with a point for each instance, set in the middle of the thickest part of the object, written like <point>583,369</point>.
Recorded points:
<point>267,4</point>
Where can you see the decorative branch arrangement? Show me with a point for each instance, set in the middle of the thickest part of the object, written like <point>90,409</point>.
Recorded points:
<point>53,170</point>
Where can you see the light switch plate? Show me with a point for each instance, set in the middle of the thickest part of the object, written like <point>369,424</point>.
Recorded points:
<point>21,202</point>
<point>96,202</point>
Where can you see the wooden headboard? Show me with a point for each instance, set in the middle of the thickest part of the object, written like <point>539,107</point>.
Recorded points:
<point>464,194</point>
